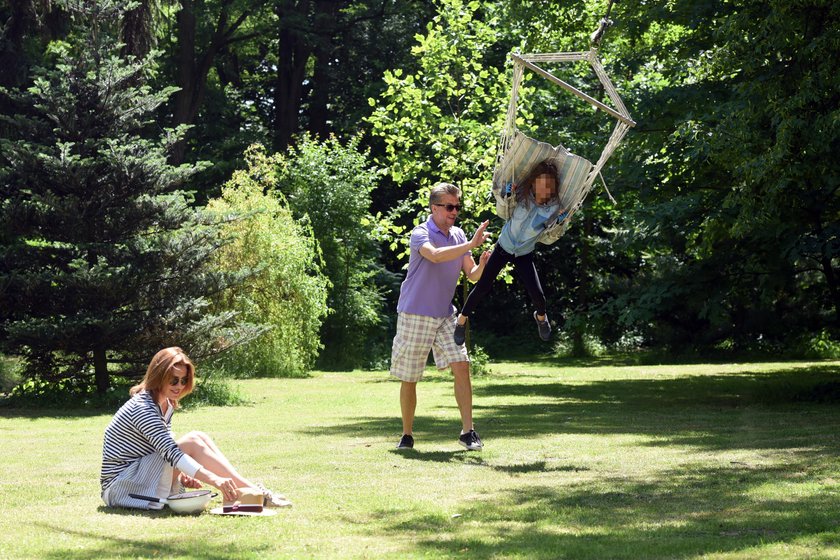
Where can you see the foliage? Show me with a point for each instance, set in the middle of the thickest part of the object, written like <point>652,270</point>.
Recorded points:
<point>288,291</point>
<point>821,345</point>
<point>71,392</point>
<point>479,361</point>
<point>329,186</point>
<point>441,120</point>
<point>102,259</point>
<point>566,347</point>
<point>214,390</point>
<point>74,394</point>
<point>725,232</point>
<point>9,373</point>
<point>733,231</point>
<point>725,229</point>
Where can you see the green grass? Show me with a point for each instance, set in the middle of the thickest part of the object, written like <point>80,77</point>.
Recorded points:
<point>717,461</point>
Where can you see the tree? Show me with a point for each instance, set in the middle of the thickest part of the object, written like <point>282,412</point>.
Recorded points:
<point>441,121</point>
<point>102,257</point>
<point>196,53</point>
<point>25,28</point>
<point>288,293</point>
<point>734,224</point>
<point>329,185</point>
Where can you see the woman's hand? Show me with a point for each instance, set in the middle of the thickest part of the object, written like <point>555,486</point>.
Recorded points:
<point>188,481</point>
<point>227,487</point>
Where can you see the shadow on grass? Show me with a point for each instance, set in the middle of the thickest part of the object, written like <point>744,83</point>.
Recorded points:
<point>745,410</point>
<point>144,546</point>
<point>472,458</point>
<point>684,514</point>
<point>57,413</point>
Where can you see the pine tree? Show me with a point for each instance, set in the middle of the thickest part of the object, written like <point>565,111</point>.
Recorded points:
<point>102,254</point>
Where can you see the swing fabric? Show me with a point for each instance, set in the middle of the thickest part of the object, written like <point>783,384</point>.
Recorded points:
<point>518,152</point>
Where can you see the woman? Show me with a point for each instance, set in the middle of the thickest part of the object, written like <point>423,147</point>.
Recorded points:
<point>140,455</point>
<point>535,207</point>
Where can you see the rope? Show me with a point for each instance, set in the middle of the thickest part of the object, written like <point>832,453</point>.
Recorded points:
<point>620,113</point>
<point>603,25</point>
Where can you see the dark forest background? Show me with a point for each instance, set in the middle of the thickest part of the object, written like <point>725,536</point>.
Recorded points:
<point>725,237</point>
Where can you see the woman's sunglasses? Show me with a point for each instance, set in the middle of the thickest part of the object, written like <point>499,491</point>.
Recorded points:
<point>184,380</point>
<point>450,207</point>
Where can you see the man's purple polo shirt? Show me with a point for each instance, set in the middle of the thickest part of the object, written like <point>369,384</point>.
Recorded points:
<point>428,287</point>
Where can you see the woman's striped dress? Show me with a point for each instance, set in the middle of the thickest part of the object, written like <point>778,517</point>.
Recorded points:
<point>138,445</point>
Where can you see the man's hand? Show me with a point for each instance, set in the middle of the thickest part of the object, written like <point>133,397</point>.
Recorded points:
<point>485,256</point>
<point>480,235</point>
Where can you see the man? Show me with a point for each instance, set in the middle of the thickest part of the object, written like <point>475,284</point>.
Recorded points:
<point>426,321</point>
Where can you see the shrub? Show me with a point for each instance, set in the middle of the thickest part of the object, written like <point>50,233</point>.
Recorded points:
<point>479,361</point>
<point>821,346</point>
<point>329,185</point>
<point>287,291</point>
<point>9,373</point>
<point>564,347</point>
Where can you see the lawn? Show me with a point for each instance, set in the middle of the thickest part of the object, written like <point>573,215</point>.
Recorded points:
<point>718,461</point>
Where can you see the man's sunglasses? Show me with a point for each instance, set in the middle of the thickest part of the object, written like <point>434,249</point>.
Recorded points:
<point>450,207</point>
<point>184,380</point>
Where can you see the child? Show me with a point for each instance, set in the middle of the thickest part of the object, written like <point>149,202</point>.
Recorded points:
<point>537,207</point>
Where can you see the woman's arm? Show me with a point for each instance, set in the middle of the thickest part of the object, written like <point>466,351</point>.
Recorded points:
<point>226,485</point>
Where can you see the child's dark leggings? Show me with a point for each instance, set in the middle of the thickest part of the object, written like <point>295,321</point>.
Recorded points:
<point>523,268</point>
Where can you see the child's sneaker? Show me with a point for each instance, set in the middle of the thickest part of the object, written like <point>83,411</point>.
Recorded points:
<point>460,333</point>
<point>544,327</point>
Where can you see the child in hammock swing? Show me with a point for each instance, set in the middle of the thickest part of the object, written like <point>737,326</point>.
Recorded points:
<point>535,207</point>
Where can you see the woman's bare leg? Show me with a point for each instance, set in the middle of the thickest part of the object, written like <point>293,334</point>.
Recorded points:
<point>203,449</point>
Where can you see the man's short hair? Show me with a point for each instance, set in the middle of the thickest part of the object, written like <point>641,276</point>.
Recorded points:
<point>442,189</point>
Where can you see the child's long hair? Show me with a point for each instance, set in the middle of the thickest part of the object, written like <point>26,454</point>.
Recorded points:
<point>526,186</point>
<point>159,372</point>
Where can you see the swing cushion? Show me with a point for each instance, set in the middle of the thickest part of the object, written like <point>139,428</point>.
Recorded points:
<point>524,152</point>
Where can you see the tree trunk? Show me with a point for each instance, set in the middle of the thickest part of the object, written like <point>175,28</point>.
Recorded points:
<point>185,77</point>
<point>292,55</point>
<point>326,16</point>
<point>833,288</point>
<point>137,30</point>
<point>22,21</point>
<point>578,342</point>
<point>100,368</point>
<point>319,97</point>
<point>194,67</point>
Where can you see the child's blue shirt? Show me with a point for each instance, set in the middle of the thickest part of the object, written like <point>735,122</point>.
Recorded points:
<point>527,222</point>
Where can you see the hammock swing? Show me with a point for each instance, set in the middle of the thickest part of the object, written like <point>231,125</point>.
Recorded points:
<point>518,152</point>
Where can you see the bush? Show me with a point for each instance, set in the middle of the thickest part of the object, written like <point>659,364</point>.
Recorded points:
<point>70,393</point>
<point>74,393</point>
<point>9,373</point>
<point>287,292</point>
<point>329,185</point>
<point>479,361</point>
<point>564,347</point>
<point>820,346</point>
<point>212,389</point>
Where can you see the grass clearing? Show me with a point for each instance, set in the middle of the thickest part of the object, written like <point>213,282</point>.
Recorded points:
<point>717,461</point>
